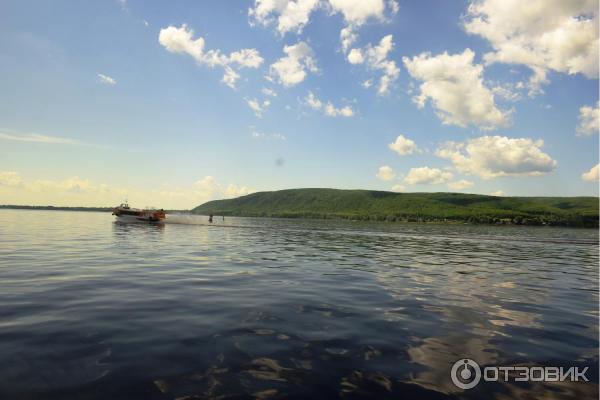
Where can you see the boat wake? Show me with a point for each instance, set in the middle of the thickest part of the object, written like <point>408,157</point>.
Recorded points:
<point>186,219</point>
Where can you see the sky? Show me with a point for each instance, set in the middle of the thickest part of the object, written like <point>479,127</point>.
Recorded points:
<point>174,103</point>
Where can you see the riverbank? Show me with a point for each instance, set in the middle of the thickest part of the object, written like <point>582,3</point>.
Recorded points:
<point>366,205</point>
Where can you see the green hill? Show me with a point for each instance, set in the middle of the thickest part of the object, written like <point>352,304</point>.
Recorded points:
<point>424,207</point>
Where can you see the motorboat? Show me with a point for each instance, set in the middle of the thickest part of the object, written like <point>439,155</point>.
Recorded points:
<point>124,213</point>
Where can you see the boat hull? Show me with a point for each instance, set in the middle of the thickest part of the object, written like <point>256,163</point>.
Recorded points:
<point>124,213</point>
<point>138,219</point>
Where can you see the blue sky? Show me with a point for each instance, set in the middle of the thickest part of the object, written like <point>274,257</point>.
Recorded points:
<point>102,100</point>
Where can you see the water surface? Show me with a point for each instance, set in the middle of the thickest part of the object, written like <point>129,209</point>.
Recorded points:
<point>271,308</point>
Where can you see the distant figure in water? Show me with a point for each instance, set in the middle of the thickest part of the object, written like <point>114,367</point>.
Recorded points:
<point>210,218</point>
<point>223,218</point>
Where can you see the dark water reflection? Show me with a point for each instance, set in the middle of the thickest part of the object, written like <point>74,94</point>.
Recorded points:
<point>91,309</point>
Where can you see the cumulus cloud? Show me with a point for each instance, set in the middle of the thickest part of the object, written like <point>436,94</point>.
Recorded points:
<point>347,37</point>
<point>508,91</point>
<point>403,146</point>
<point>357,13</point>
<point>398,188</point>
<point>294,15</point>
<point>493,156</point>
<point>328,108</point>
<point>107,80</point>
<point>10,178</point>
<point>385,173</point>
<point>230,77</point>
<point>460,185</point>
<point>209,187</point>
<point>544,35</point>
<point>426,175</point>
<point>355,56</point>
<point>232,190</point>
<point>589,120</point>
<point>258,107</point>
<point>291,69</point>
<point>78,191</point>
<point>313,102</point>
<point>332,111</point>
<point>498,193</point>
<point>376,59</point>
<point>592,174</point>
<point>454,85</point>
<point>180,41</point>
<point>289,15</point>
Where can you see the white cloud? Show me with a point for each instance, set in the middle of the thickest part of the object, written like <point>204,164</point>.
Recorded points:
<point>499,193</point>
<point>107,80</point>
<point>426,175</point>
<point>258,107</point>
<point>290,15</point>
<point>332,111</point>
<point>77,191</point>
<point>313,102</point>
<point>232,190</point>
<point>294,15</point>
<point>460,185</point>
<point>180,41</point>
<point>589,120</point>
<point>398,188</point>
<point>291,69</point>
<point>347,37</point>
<point>328,108</point>
<point>355,56</point>
<point>454,85</point>
<point>493,156</point>
<point>507,91</point>
<point>230,77</point>
<point>268,92</point>
<point>403,146</point>
<point>208,188</point>
<point>592,174</point>
<point>33,137</point>
<point>541,34</point>
<point>261,135</point>
<point>10,178</point>
<point>146,24</point>
<point>357,13</point>
<point>385,173</point>
<point>376,59</point>
<point>67,187</point>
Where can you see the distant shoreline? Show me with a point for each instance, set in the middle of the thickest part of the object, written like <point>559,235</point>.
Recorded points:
<point>312,217</point>
<point>66,208</point>
<point>54,208</point>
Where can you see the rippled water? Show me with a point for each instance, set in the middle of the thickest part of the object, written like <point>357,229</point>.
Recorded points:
<point>267,308</point>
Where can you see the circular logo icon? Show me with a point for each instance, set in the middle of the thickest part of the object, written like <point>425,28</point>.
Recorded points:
<point>465,373</point>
